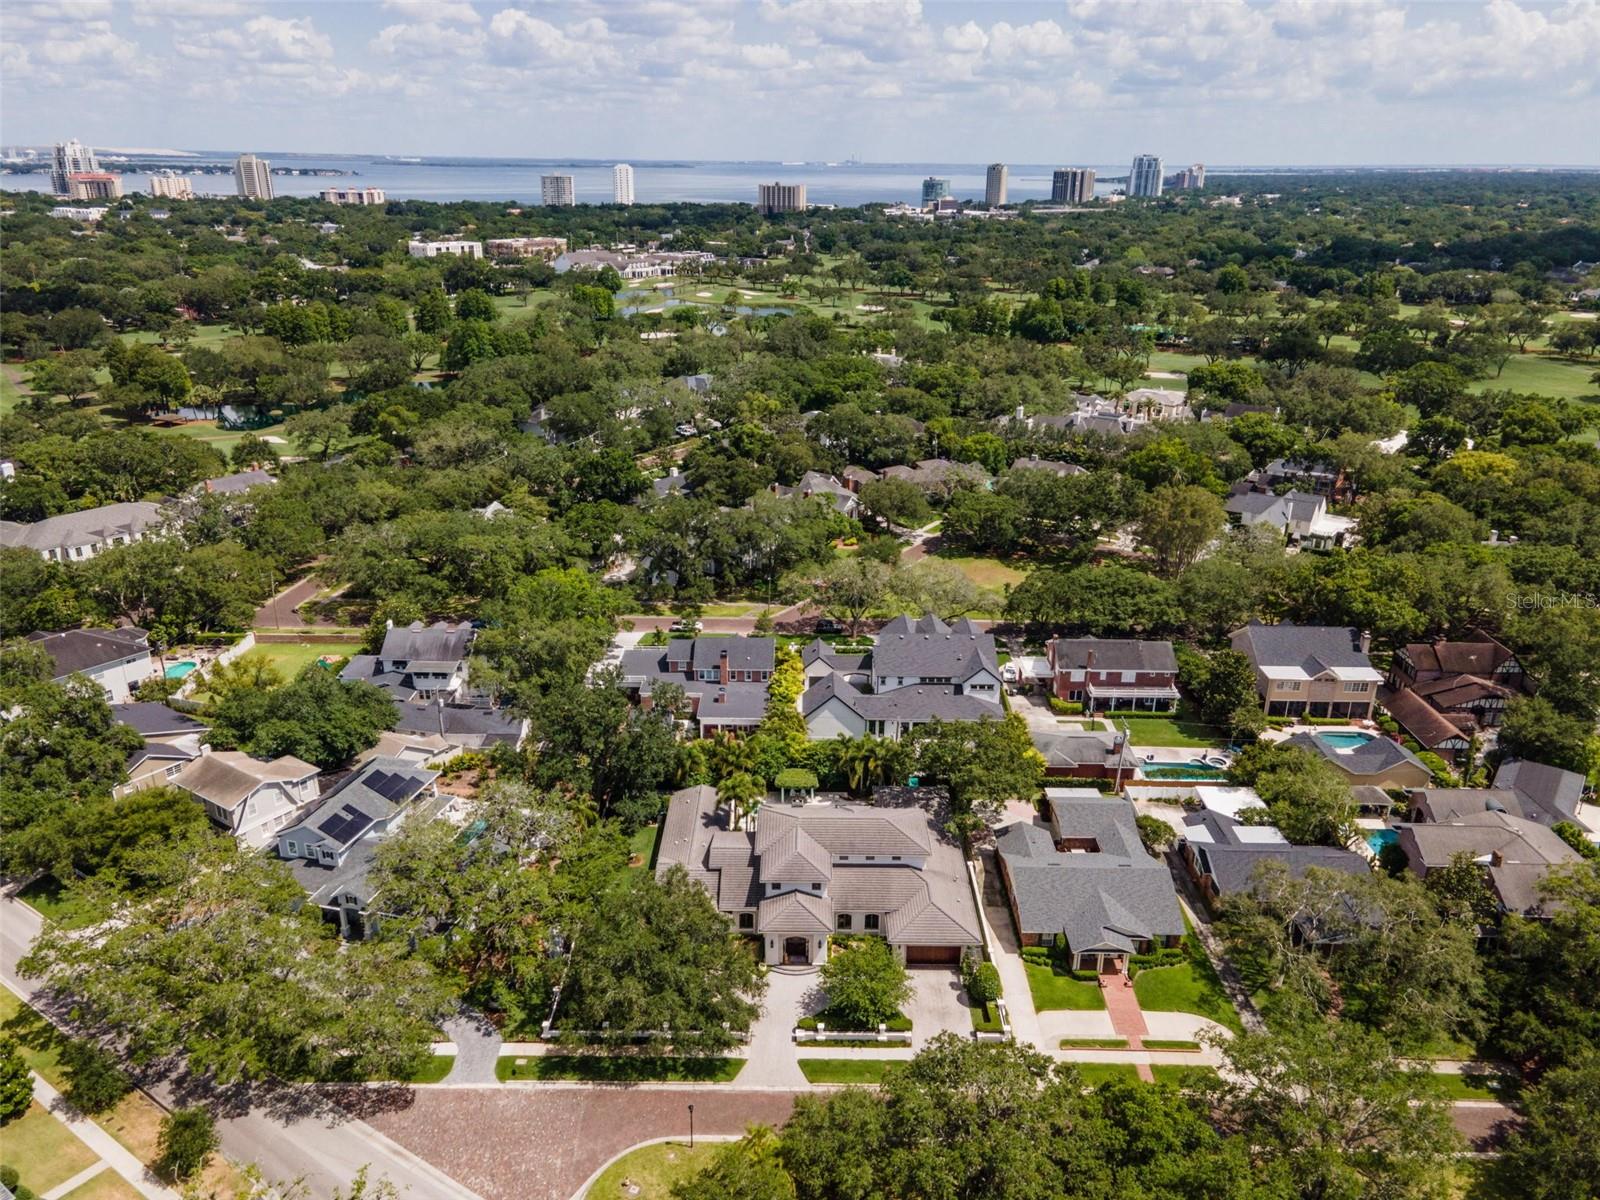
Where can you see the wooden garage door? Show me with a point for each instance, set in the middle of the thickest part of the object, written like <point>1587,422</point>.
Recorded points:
<point>927,956</point>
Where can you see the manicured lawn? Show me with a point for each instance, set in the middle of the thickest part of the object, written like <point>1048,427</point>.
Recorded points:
<point>1094,1043</point>
<point>37,1040</point>
<point>44,1152</point>
<point>1177,730</point>
<point>1191,988</point>
<point>642,847</point>
<point>847,1070</point>
<point>619,1068</point>
<point>986,572</point>
<point>1052,990</point>
<point>1545,375</point>
<point>292,657</point>
<point>989,1024</point>
<point>434,1069</point>
<point>55,903</point>
<point>1470,1087</point>
<point>1097,1073</point>
<point>650,1171</point>
<point>1180,1075</point>
<point>107,1185</point>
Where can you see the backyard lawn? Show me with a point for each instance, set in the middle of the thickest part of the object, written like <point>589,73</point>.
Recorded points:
<point>1177,730</point>
<point>650,1171</point>
<point>642,847</point>
<point>1053,990</point>
<point>620,1068</point>
<point>846,1070</point>
<point>292,657</point>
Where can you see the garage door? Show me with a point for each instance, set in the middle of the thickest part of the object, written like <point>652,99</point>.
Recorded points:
<point>930,956</point>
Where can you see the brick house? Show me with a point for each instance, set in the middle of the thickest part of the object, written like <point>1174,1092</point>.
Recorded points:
<point>1106,673</point>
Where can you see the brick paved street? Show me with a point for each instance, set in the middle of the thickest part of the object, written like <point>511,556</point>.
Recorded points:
<point>543,1143</point>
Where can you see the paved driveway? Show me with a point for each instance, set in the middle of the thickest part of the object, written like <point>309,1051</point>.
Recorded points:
<point>937,1004</point>
<point>771,1051</point>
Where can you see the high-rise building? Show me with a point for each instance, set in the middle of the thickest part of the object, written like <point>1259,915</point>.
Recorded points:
<point>358,196</point>
<point>557,191</point>
<point>781,197</point>
<point>1191,178</point>
<point>1144,177</point>
<point>1072,185</point>
<point>94,185</point>
<point>934,190</point>
<point>169,185</point>
<point>252,177</point>
<point>622,184</point>
<point>994,186</point>
<point>71,157</point>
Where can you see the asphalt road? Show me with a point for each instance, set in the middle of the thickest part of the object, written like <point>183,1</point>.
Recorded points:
<point>290,1133</point>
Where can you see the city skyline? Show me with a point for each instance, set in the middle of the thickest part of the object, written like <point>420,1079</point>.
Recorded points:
<point>1280,82</point>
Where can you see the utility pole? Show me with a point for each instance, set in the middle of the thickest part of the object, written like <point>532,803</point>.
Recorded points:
<point>691,1127</point>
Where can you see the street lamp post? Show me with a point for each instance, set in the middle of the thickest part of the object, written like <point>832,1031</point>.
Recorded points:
<point>691,1127</point>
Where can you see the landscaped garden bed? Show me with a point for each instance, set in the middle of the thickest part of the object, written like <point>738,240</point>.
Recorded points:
<point>618,1068</point>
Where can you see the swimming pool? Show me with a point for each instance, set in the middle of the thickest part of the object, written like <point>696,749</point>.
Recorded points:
<point>178,670</point>
<point>1379,838</point>
<point>1346,741</point>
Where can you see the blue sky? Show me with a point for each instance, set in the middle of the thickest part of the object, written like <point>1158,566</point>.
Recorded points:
<point>1220,81</point>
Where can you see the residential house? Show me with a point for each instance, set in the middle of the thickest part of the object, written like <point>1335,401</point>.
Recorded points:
<point>76,536</point>
<point>1302,517</point>
<point>249,797</point>
<point>1549,795</point>
<point>332,848</point>
<point>1160,404</point>
<point>117,659</point>
<point>233,485</point>
<point>1048,464</point>
<point>1114,673</point>
<point>673,483</point>
<point>1443,693</point>
<point>856,478</point>
<point>472,726</point>
<point>1088,877</point>
<point>723,679</point>
<point>170,740</point>
<point>940,475</point>
<point>1088,755</point>
<point>417,662</point>
<point>1310,670</point>
<point>1222,854</point>
<point>1515,854</point>
<point>918,670</point>
<point>803,872</point>
<point>1376,761</point>
<point>814,483</point>
<point>412,749</point>
<point>1322,479</point>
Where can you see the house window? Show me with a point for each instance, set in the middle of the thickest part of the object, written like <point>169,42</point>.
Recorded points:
<point>747,920</point>
<point>772,887</point>
<point>843,921</point>
<point>872,920</point>
<point>872,858</point>
<point>894,858</point>
<point>1292,685</point>
<point>816,887</point>
<point>1355,687</point>
<point>294,848</point>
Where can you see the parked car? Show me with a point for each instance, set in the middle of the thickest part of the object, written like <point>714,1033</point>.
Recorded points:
<point>685,626</point>
<point>829,625</point>
<point>687,430</point>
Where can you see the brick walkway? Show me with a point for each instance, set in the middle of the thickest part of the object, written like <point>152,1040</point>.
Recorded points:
<point>1127,1018</point>
<point>512,1143</point>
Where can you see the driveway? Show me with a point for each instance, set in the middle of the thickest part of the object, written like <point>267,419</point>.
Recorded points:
<point>772,1061</point>
<point>937,1004</point>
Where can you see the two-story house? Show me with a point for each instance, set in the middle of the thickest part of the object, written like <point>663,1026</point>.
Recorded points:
<point>1443,693</point>
<point>815,483</point>
<point>170,740</point>
<point>251,798</point>
<point>331,848</point>
<point>803,872</point>
<point>1114,673</point>
<point>77,536</point>
<point>1086,875</point>
<point>1310,670</point>
<point>1302,517</point>
<point>117,659</point>
<point>724,679</point>
<point>919,670</point>
<point>417,661</point>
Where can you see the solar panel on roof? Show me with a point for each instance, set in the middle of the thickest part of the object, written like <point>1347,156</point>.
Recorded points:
<point>345,824</point>
<point>392,787</point>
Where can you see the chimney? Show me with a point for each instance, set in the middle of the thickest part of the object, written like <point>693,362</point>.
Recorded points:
<point>1497,859</point>
<point>1088,663</point>
<point>722,668</point>
<point>388,623</point>
<point>672,472</point>
<point>1019,412</point>
<point>1366,641</point>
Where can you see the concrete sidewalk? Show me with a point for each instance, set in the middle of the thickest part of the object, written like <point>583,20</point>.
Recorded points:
<point>113,1154</point>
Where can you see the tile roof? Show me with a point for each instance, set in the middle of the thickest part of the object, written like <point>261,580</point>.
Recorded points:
<point>1457,658</point>
<point>795,912</point>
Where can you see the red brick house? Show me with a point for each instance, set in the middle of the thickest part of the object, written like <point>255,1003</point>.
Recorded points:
<point>1114,673</point>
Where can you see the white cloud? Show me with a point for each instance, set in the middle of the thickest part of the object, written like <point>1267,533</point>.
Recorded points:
<point>434,12</point>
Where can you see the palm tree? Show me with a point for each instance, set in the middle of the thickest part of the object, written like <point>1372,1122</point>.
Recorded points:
<point>742,793</point>
<point>865,763</point>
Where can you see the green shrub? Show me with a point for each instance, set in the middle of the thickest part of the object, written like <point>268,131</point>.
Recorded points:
<point>981,980</point>
<point>16,1082</point>
<point>1066,708</point>
<point>188,1138</point>
<point>95,1080</point>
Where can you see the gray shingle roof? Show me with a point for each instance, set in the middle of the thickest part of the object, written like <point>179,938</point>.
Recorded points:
<point>1369,758</point>
<point>439,642</point>
<point>242,482</point>
<point>89,649</point>
<point>1551,789</point>
<point>155,720</point>
<point>91,525</point>
<point>1071,750</point>
<point>1115,654</point>
<point>1107,819</point>
<point>744,653</point>
<point>922,702</point>
<point>1314,648</point>
<point>929,647</point>
<point>381,788</point>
